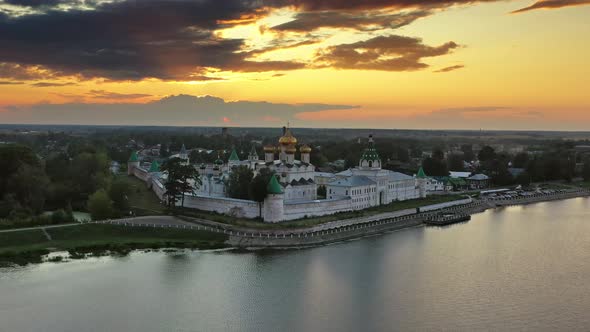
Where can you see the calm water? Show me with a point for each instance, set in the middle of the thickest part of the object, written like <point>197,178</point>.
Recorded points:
<point>518,268</point>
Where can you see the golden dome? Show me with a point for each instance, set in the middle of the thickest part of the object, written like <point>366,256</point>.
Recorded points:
<point>290,149</point>
<point>288,138</point>
<point>304,148</point>
<point>269,149</point>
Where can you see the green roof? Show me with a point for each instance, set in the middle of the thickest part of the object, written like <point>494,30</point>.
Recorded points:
<point>273,186</point>
<point>133,157</point>
<point>421,174</point>
<point>234,156</point>
<point>370,154</point>
<point>154,167</point>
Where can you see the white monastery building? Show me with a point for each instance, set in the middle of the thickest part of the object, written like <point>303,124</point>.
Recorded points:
<point>292,192</point>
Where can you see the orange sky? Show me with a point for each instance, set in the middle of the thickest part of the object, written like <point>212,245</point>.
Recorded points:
<point>383,64</point>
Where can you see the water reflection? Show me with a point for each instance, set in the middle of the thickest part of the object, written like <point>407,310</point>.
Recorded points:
<point>515,268</point>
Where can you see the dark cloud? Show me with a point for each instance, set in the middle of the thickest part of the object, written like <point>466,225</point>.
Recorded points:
<point>10,83</point>
<point>174,110</point>
<point>131,40</point>
<point>308,21</point>
<point>390,53</point>
<point>552,4</point>
<point>33,3</point>
<point>51,84</point>
<point>449,68</point>
<point>357,5</point>
<point>176,39</point>
<point>102,94</point>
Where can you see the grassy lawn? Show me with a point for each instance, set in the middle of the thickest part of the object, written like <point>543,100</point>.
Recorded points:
<point>312,221</point>
<point>28,246</point>
<point>143,201</point>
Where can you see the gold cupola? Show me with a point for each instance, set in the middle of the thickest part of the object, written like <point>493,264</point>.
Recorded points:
<point>305,148</point>
<point>288,138</point>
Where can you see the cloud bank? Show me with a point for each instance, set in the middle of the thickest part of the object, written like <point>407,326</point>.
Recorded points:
<point>173,110</point>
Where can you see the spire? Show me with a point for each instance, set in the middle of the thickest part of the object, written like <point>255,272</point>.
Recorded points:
<point>234,155</point>
<point>133,158</point>
<point>154,167</point>
<point>421,174</point>
<point>273,186</point>
<point>253,151</point>
<point>183,149</point>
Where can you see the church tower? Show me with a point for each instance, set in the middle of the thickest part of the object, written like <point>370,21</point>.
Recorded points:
<point>370,158</point>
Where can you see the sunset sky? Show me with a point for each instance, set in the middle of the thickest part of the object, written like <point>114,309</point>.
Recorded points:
<point>453,64</point>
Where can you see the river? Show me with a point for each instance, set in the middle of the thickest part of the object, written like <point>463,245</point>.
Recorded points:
<point>514,268</point>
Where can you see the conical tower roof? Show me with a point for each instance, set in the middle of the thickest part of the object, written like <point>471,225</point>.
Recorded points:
<point>253,151</point>
<point>421,174</point>
<point>234,155</point>
<point>273,186</point>
<point>133,157</point>
<point>183,149</point>
<point>154,167</point>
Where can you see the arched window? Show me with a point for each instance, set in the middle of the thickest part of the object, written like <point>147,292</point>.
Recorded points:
<point>370,163</point>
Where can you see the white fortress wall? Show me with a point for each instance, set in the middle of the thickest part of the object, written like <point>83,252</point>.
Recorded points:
<point>316,208</point>
<point>445,205</point>
<point>234,207</point>
<point>141,173</point>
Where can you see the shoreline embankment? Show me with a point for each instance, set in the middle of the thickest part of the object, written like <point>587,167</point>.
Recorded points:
<point>286,240</point>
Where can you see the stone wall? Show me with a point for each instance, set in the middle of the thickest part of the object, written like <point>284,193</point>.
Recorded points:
<point>445,205</point>
<point>141,174</point>
<point>234,207</point>
<point>316,208</point>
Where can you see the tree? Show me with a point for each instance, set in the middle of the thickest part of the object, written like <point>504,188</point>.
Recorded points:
<point>520,160</point>
<point>586,170</point>
<point>438,154</point>
<point>455,162</point>
<point>119,193</point>
<point>239,182</point>
<point>468,154</point>
<point>486,153</point>
<point>257,189</point>
<point>182,178</point>
<point>100,205</point>
<point>29,184</point>
<point>524,179</point>
<point>435,167</point>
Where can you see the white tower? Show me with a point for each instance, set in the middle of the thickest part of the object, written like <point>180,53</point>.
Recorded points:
<point>274,202</point>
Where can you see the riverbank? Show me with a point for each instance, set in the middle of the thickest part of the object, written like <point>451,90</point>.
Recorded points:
<point>373,227</point>
<point>122,236</point>
<point>31,246</point>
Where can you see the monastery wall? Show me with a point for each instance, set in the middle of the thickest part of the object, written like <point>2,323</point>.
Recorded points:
<point>141,173</point>
<point>234,207</point>
<point>316,208</point>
